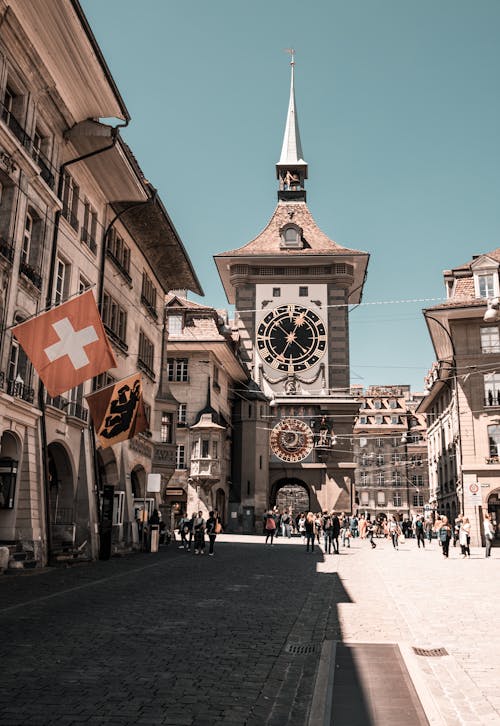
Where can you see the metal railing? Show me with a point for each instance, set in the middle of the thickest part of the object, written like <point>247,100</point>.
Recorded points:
<point>70,217</point>
<point>7,249</point>
<point>89,240</point>
<point>31,273</point>
<point>16,388</point>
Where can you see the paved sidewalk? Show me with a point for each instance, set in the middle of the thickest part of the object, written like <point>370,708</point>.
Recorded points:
<point>235,640</point>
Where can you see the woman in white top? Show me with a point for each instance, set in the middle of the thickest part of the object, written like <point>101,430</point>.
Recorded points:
<point>464,537</point>
<point>489,534</point>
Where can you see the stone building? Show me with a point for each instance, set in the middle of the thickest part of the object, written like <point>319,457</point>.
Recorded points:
<point>75,213</point>
<point>205,376</point>
<point>463,402</point>
<point>390,449</point>
<point>291,287</point>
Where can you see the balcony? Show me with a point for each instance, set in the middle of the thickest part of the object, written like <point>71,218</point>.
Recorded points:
<point>32,273</point>
<point>71,408</point>
<point>492,460</point>
<point>70,217</point>
<point>7,249</point>
<point>119,265</point>
<point>16,388</point>
<point>149,307</point>
<point>38,157</point>
<point>207,470</point>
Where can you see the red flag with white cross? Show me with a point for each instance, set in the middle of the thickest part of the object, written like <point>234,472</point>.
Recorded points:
<point>67,345</point>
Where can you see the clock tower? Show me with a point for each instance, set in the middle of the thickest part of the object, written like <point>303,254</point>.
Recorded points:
<point>292,287</point>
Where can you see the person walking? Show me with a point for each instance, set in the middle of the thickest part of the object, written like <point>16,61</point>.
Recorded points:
<point>369,533</point>
<point>183,527</point>
<point>428,530</point>
<point>444,534</point>
<point>335,531</point>
<point>212,527</point>
<point>199,534</point>
<point>464,537</point>
<point>346,533</point>
<point>394,531</point>
<point>326,525</point>
<point>362,526</point>
<point>419,530</point>
<point>286,524</point>
<point>489,534</point>
<point>270,527</point>
<point>309,531</point>
<point>301,526</point>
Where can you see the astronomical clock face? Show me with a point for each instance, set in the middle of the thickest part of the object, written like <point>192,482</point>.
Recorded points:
<point>291,440</point>
<point>291,338</point>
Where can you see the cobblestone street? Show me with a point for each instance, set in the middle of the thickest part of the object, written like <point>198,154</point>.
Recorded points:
<point>236,639</point>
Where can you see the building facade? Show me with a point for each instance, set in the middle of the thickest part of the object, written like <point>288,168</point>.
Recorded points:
<point>463,402</point>
<point>205,376</point>
<point>291,287</point>
<point>75,213</point>
<point>390,450</point>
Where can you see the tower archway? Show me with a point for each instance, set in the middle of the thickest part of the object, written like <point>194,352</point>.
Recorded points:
<point>292,494</point>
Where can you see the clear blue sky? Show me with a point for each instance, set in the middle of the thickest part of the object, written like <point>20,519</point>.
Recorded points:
<point>399,111</point>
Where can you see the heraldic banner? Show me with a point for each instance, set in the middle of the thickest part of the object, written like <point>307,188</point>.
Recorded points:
<point>67,345</point>
<point>118,411</point>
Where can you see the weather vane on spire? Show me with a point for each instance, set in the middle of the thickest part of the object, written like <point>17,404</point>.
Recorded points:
<point>291,51</point>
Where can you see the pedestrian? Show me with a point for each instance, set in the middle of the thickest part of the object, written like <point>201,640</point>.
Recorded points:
<point>419,529</point>
<point>335,531</point>
<point>395,532</point>
<point>309,531</point>
<point>301,526</point>
<point>199,534</point>
<point>464,537</point>
<point>286,522</point>
<point>191,530</point>
<point>346,533</point>
<point>362,526</point>
<point>369,533</point>
<point>212,523</point>
<point>456,529</point>
<point>444,534</point>
<point>317,526</point>
<point>489,534</point>
<point>326,524</point>
<point>428,529</point>
<point>270,527</point>
<point>354,526</point>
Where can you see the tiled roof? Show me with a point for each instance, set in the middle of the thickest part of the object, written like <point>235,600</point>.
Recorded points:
<point>315,240</point>
<point>494,254</point>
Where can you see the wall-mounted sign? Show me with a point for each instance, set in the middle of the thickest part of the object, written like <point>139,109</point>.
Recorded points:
<point>473,488</point>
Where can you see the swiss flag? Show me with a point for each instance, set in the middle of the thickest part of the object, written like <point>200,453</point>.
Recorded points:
<point>67,345</point>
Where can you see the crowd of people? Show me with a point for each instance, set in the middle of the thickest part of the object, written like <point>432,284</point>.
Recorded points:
<point>192,531</point>
<point>326,529</point>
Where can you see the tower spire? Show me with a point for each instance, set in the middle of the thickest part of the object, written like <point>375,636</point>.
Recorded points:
<point>291,169</point>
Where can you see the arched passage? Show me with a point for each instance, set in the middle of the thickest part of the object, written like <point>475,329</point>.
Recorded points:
<point>494,510</point>
<point>61,496</point>
<point>220,503</point>
<point>292,494</point>
<point>9,469</point>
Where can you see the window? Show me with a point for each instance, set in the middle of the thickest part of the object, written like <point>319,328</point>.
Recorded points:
<point>363,420</point>
<point>8,103</point>
<point>379,420</point>
<point>146,357</point>
<point>276,292</point>
<point>103,380</point>
<point>118,507</point>
<point>365,498</point>
<point>166,428</point>
<point>365,459</point>
<point>178,369</point>
<point>181,414</point>
<point>494,441</point>
<point>398,479</point>
<point>19,371</point>
<point>379,442</point>
<point>70,197</point>
<point>490,340</point>
<point>148,295</point>
<point>175,324</point>
<point>180,457</point>
<point>485,285</point>
<point>291,236</point>
<point>364,478</point>
<point>417,481</point>
<point>215,449</point>
<point>303,291</point>
<point>380,478</point>
<point>62,282</point>
<point>393,403</point>
<point>396,499</point>
<point>418,500</point>
<point>89,227</point>
<point>395,420</point>
<point>380,460</point>
<point>216,384</point>
<point>28,230</point>
<point>83,285</point>
<point>381,498</point>
<point>114,318</point>
<point>492,389</point>
<point>119,252</point>
<point>395,457</point>
<point>204,448</point>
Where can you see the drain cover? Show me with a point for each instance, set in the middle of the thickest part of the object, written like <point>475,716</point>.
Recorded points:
<point>301,648</point>
<point>432,652</point>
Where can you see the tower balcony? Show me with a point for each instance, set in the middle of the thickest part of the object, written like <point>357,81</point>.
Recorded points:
<point>205,470</point>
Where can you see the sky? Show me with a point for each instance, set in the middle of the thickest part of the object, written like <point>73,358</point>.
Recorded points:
<point>398,105</point>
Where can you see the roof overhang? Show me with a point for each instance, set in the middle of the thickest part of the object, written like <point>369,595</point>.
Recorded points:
<point>439,320</point>
<point>67,47</point>
<point>154,233</point>
<point>359,262</point>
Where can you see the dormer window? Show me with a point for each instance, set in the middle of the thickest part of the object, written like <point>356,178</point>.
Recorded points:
<point>291,237</point>
<point>485,285</point>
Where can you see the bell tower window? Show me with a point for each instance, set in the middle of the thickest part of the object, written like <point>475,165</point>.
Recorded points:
<point>291,237</point>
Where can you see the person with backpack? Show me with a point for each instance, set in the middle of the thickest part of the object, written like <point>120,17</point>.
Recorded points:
<point>326,524</point>
<point>270,526</point>
<point>184,526</point>
<point>444,534</point>
<point>199,534</point>
<point>420,532</point>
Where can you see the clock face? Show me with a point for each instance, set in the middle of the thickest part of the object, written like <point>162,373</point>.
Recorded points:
<point>291,338</point>
<point>291,440</point>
